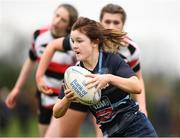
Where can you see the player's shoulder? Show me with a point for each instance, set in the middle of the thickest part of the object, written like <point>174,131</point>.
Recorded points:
<point>131,42</point>
<point>133,47</point>
<point>40,30</point>
<point>112,59</point>
<point>57,44</point>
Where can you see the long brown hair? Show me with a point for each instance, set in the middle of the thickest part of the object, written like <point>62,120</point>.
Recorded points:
<point>73,14</point>
<point>110,40</point>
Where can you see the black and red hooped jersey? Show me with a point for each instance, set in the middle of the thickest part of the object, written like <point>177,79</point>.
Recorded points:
<point>131,55</point>
<point>60,62</point>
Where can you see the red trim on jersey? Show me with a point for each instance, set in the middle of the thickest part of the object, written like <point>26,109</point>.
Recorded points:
<point>133,63</point>
<point>43,30</point>
<point>33,45</point>
<point>104,111</point>
<point>56,67</point>
<point>60,68</point>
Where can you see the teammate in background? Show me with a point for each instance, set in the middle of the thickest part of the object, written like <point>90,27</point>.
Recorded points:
<point>64,17</point>
<point>112,17</point>
<point>116,112</point>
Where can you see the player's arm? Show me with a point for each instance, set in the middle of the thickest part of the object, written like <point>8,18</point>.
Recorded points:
<point>122,76</point>
<point>131,84</point>
<point>23,76</point>
<point>52,47</point>
<point>141,98</point>
<point>61,107</point>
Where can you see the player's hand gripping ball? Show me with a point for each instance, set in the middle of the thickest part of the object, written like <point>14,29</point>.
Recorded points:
<point>75,80</point>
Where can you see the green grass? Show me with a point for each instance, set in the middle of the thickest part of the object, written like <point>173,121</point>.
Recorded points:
<point>87,130</point>
<point>14,129</point>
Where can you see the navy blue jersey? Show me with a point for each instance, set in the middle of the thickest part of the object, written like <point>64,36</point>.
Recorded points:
<point>116,112</point>
<point>115,102</point>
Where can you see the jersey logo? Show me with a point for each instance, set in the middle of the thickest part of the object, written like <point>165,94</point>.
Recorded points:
<point>103,109</point>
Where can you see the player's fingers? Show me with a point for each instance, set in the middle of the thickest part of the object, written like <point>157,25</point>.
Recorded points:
<point>45,89</point>
<point>10,103</point>
<point>90,75</point>
<point>107,85</point>
<point>67,91</point>
<point>94,84</point>
<point>101,87</point>
<point>70,95</point>
<point>40,87</point>
<point>49,91</point>
<point>93,80</point>
<point>74,99</point>
<point>64,86</point>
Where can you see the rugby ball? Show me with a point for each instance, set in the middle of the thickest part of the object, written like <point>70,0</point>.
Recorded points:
<point>75,80</point>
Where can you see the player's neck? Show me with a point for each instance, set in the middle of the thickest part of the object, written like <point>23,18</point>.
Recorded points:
<point>91,63</point>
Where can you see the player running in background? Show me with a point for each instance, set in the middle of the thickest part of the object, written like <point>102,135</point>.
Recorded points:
<point>117,114</point>
<point>64,17</point>
<point>113,16</point>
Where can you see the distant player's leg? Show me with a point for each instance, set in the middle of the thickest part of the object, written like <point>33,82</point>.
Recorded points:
<point>44,120</point>
<point>72,122</point>
<point>54,127</point>
<point>99,133</point>
<point>42,129</point>
<point>44,117</point>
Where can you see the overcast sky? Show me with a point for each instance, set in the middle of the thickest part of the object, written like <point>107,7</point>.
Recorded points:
<point>153,24</point>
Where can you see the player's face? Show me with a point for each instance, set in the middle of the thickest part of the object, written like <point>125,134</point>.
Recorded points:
<point>112,21</point>
<point>83,47</point>
<point>60,21</point>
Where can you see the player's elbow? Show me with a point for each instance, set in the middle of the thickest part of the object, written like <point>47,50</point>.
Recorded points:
<point>138,90</point>
<point>137,86</point>
<point>58,112</point>
<point>56,115</point>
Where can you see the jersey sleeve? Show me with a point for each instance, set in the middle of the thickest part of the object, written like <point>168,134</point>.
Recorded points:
<point>32,54</point>
<point>67,43</point>
<point>134,60</point>
<point>120,67</point>
<point>32,51</point>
